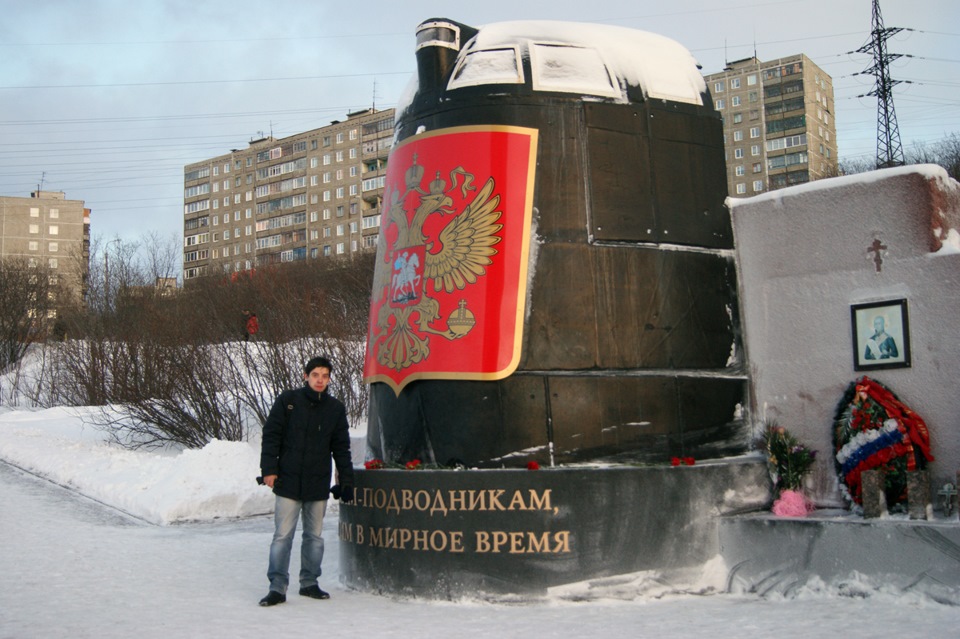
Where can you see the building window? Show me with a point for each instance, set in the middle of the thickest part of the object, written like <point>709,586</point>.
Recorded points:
<point>739,170</point>
<point>751,79</point>
<point>53,229</point>
<point>718,87</point>
<point>34,245</point>
<point>735,101</point>
<point>53,262</point>
<point>34,228</point>
<point>741,189</point>
<point>737,136</point>
<point>54,213</point>
<point>718,105</point>
<point>754,132</point>
<point>53,247</point>
<point>734,83</point>
<point>757,186</point>
<point>755,150</point>
<point>738,153</point>
<point>757,167</point>
<point>34,211</point>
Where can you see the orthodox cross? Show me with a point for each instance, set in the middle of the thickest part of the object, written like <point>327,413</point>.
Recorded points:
<point>947,493</point>
<point>875,248</point>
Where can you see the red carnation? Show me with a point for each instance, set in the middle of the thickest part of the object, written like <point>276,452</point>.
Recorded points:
<point>533,465</point>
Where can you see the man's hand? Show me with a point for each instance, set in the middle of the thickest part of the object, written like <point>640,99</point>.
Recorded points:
<point>269,480</point>
<point>343,493</point>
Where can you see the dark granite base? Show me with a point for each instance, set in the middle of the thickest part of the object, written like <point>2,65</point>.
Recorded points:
<point>449,534</point>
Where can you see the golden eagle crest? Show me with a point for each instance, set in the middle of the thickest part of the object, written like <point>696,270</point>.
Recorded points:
<point>443,240</point>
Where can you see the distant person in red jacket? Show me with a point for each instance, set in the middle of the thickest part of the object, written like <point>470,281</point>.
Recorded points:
<point>250,326</point>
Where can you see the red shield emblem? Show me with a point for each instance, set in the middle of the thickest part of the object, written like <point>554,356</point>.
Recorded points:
<point>450,281</point>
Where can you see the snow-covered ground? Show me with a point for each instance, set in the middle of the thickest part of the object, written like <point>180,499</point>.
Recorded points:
<point>103,542</point>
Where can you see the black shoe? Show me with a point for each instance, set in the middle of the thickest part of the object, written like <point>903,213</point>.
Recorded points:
<point>273,598</point>
<point>314,592</point>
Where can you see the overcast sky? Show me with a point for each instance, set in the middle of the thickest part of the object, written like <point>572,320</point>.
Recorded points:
<point>107,100</point>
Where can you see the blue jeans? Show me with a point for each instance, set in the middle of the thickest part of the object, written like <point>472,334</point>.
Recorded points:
<point>285,517</point>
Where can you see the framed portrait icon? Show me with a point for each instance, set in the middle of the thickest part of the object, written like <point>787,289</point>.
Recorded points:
<point>881,335</point>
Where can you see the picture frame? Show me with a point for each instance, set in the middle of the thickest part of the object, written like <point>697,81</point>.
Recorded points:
<point>881,335</point>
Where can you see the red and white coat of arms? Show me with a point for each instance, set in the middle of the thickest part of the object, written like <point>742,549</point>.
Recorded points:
<point>451,276</point>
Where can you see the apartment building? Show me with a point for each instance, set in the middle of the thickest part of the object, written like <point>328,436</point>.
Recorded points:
<point>311,195</point>
<point>46,229</point>
<point>778,123</point>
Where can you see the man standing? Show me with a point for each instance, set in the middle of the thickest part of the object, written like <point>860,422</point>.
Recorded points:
<point>250,325</point>
<point>306,427</point>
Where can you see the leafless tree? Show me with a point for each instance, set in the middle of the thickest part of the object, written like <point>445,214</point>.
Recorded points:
<point>28,299</point>
<point>945,152</point>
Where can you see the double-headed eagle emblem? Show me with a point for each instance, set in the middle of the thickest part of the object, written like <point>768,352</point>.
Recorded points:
<point>430,258</point>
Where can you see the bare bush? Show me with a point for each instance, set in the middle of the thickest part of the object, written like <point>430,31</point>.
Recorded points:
<point>181,398</point>
<point>175,369</point>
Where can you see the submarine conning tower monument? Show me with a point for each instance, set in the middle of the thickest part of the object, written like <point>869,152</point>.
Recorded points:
<point>555,277</point>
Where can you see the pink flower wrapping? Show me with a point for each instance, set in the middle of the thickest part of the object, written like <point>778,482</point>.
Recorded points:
<point>792,503</point>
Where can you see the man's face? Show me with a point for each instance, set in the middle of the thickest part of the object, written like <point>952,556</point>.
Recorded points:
<point>878,324</point>
<point>318,378</point>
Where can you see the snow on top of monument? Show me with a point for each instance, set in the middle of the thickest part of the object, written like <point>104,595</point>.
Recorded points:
<point>660,66</point>
<point>949,236</point>
<point>929,171</point>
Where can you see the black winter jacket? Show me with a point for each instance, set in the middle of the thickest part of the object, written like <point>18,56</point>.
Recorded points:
<point>303,431</point>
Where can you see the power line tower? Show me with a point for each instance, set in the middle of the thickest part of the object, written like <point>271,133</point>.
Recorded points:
<point>889,149</point>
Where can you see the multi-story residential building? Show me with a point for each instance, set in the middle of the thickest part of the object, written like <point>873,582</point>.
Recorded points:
<point>778,123</point>
<point>46,229</point>
<point>309,195</point>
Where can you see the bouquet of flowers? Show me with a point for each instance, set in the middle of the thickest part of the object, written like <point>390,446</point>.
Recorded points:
<point>787,458</point>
